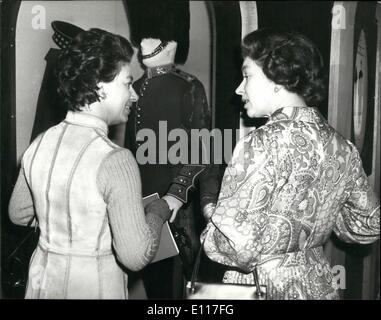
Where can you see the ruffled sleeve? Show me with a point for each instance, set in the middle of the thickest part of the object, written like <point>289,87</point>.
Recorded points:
<point>234,234</point>
<point>359,219</point>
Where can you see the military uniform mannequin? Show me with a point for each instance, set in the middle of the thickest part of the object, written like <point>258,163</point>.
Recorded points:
<point>168,94</point>
<point>49,111</point>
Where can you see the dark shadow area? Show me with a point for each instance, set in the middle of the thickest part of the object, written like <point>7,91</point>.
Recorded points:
<point>50,110</point>
<point>366,21</point>
<point>355,254</point>
<point>311,18</point>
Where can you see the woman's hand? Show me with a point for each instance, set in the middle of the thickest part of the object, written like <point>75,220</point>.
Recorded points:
<point>160,208</point>
<point>173,204</point>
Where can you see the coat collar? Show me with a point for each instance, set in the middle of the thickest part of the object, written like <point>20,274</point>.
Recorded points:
<point>159,70</point>
<point>86,120</point>
<point>307,114</point>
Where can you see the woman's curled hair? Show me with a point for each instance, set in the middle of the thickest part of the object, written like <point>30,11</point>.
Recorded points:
<point>288,59</point>
<point>94,56</point>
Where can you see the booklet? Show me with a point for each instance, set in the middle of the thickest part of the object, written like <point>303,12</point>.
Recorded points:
<point>168,247</point>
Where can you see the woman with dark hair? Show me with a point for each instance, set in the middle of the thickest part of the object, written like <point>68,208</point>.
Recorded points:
<point>85,191</point>
<point>291,182</point>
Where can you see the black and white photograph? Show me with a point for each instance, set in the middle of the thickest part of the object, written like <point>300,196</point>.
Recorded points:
<point>204,151</point>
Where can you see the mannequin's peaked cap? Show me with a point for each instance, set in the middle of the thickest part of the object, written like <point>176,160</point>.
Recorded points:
<point>64,33</point>
<point>167,20</point>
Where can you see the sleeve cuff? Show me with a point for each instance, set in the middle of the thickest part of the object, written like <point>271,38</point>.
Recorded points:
<point>185,181</point>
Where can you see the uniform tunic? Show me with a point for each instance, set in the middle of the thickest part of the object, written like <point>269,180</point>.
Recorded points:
<point>86,193</point>
<point>170,99</point>
<point>289,185</point>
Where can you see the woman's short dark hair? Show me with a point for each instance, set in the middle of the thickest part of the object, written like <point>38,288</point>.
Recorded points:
<point>288,59</point>
<point>94,56</point>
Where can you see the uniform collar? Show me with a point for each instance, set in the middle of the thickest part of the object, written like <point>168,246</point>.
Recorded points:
<point>86,120</point>
<point>307,114</point>
<point>159,70</point>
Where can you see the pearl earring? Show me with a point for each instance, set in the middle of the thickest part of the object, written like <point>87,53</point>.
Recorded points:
<point>276,89</point>
<point>102,94</point>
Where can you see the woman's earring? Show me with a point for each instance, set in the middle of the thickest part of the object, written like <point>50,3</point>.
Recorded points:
<point>276,89</point>
<point>102,94</point>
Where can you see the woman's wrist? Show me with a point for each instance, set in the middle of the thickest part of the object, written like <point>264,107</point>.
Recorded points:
<point>208,210</point>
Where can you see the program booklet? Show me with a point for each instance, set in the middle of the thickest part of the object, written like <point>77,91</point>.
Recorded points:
<point>168,247</point>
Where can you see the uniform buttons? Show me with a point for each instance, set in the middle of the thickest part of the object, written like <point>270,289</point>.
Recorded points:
<point>138,122</point>
<point>189,173</point>
<point>138,115</point>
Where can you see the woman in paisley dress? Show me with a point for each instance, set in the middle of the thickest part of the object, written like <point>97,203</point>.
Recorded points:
<point>291,182</point>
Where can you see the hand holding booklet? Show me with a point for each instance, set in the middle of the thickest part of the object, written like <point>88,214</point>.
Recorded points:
<point>167,246</point>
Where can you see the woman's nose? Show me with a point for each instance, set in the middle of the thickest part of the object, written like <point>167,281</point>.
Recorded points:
<point>134,97</point>
<point>240,91</point>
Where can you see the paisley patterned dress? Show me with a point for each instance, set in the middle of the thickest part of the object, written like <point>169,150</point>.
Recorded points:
<point>288,186</point>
